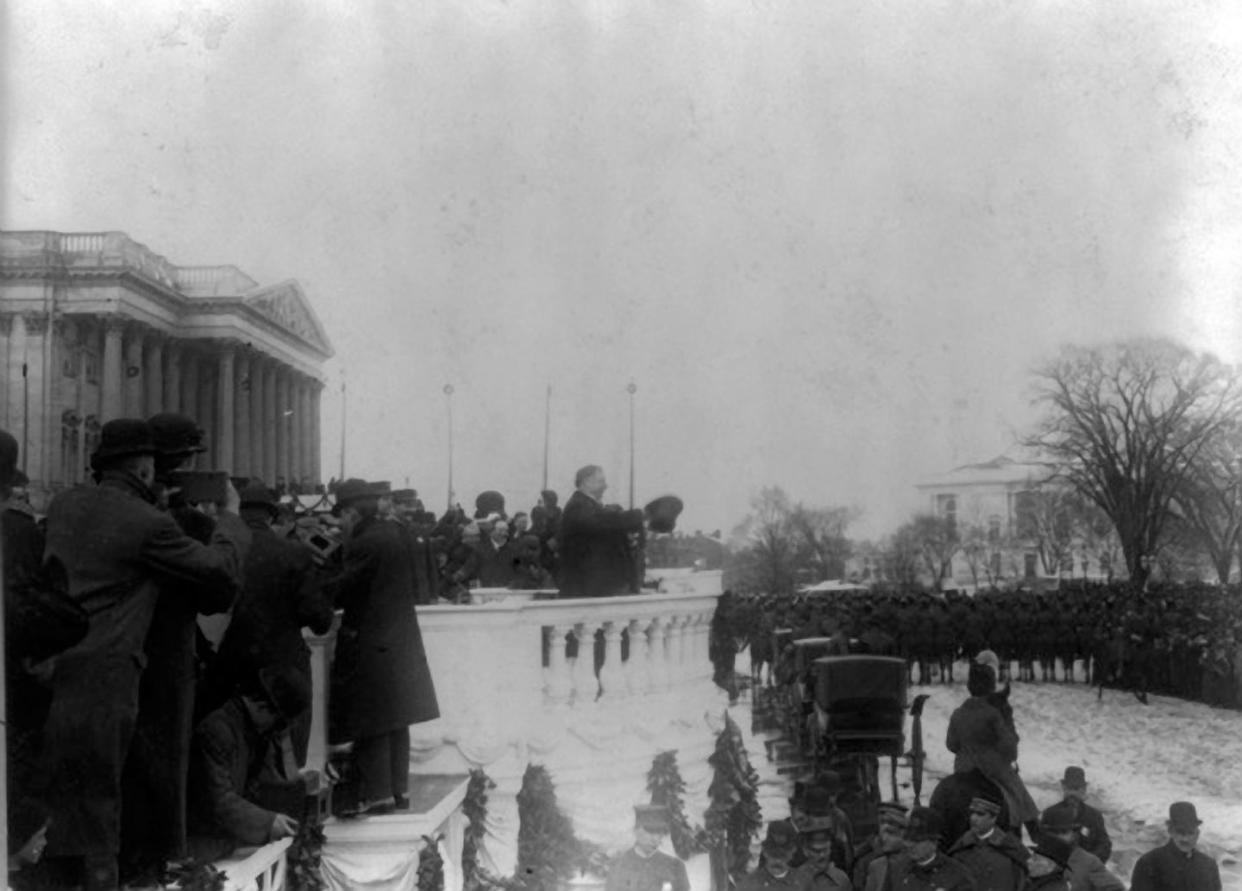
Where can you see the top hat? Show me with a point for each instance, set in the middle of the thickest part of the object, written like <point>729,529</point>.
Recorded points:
<point>652,817</point>
<point>1055,849</point>
<point>1182,816</point>
<point>176,434</point>
<point>924,823</point>
<point>781,837</point>
<point>256,494</point>
<point>1075,778</point>
<point>662,513</point>
<point>349,491</point>
<point>123,438</point>
<point>1058,818</point>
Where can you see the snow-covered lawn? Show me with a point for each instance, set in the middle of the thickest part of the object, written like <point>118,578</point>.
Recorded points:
<point>1138,759</point>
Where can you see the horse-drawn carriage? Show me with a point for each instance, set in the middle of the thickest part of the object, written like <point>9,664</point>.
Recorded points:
<point>846,711</point>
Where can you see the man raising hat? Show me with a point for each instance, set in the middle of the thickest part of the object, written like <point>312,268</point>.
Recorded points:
<point>996,858</point>
<point>775,872</point>
<point>645,867</point>
<point>1092,833</point>
<point>1177,865</point>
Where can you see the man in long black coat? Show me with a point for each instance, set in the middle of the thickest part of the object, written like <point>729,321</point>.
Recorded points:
<point>119,553</point>
<point>596,559</point>
<point>281,595</point>
<point>380,682</point>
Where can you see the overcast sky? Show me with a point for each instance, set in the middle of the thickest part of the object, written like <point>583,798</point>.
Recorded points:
<point>826,240</point>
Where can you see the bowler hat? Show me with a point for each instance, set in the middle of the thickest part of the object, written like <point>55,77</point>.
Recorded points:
<point>349,491</point>
<point>781,837</point>
<point>1182,816</point>
<point>924,823</point>
<point>652,817</point>
<point>123,438</point>
<point>1058,818</point>
<point>257,494</point>
<point>176,434</point>
<point>1075,778</point>
<point>662,513</point>
<point>1055,849</point>
<point>287,688</point>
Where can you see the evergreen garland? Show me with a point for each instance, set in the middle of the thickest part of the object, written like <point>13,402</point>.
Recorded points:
<point>431,865</point>
<point>303,858</point>
<point>194,875</point>
<point>548,851</point>
<point>733,818</point>
<point>667,788</point>
<point>474,806</point>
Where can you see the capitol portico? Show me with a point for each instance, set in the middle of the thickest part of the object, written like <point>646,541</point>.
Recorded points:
<point>95,326</point>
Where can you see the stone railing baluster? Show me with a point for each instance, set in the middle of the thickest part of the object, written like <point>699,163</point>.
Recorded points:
<point>611,676</point>
<point>558,684</point>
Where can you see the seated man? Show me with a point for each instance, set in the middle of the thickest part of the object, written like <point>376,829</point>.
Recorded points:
<point>237,748</point>
<point>645,867</point>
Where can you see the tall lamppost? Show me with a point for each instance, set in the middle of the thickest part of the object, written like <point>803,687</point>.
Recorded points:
<point>631,389</point>
<point>344,426</point>
<point>448,401</point>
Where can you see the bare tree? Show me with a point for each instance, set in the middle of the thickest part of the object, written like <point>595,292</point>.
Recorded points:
<point>821,531</point>
<point>934,541</point>
<point>1209,503</point>
<point>1123,424</point>
<point>768,544</point>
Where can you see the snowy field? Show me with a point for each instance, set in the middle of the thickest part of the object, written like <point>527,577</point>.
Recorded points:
<point>1138,758</point>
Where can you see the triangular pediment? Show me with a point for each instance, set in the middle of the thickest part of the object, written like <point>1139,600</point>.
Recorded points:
<point>286,305</point>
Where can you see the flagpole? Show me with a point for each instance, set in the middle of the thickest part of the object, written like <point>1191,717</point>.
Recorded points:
<point>547,432</point>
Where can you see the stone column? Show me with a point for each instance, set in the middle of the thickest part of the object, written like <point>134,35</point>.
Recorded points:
<point>585,684</point>
<point>284,423</point>
<point>304,430</point>
<point>112,378</point>
<point>269,423</point>
<point>241,415</point>
<point>558,683</point>
<point>207,411</point>
<point>255,428</point>
<point>189,384</point>
<point>6,401</point>
<point>153,374</point>
<point>172,377</point>
<point>316,442</point>
<point>225,408</point>
<point>33,436</point>
<point>132,385</point>
<point>611,678</point>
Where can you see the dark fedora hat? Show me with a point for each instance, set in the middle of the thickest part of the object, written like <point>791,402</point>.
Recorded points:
<point>288,689</point>
<point>176,434</point>
<point>1182,815</point>
<point>257,494</point>
<point>123,438</point>
<point>662,513</point>
<point>1075,778</point>
<point>349,491</point>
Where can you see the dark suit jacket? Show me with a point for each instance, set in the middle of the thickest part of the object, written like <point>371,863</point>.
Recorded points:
<point>594,554</point>
<point>120,554</point>
<point>380,678</point>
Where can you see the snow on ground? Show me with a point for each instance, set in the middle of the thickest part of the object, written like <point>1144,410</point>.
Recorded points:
<point>1138,759</point>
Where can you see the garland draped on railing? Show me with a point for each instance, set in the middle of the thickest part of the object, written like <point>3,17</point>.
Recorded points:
<point>733,818</point>
<point>665,784</point>
<point>431,865</point>
<point>548,851</point>
<point>474,806</point>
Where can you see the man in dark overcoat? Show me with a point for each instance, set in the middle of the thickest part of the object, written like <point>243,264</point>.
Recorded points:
<point>380,681</point>
<point>153,827</point>
<point>595,555</point>
<point>281,595</point>
<point>119,554</point>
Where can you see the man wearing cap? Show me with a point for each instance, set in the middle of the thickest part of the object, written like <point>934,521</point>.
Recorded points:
<point>644,867</point>
<point>281,596</point>
<point>1177,865</point>
<point>994,857</point>
<point>380,681</point>
<point>1092,833</point>
<point>776,872</point>
<point>595,555</point>
<point>923,867</point>
<point>871,866</point>
<point>119,554</point>
<point>1086,871</point>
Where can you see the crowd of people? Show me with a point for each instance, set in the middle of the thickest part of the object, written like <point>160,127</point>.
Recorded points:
<point>136,742</point>
<point>1178,640</point>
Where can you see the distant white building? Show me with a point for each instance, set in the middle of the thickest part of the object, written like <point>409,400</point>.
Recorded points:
<point>991,507</point>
